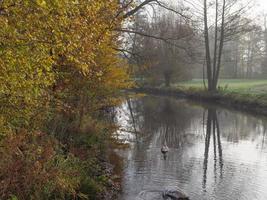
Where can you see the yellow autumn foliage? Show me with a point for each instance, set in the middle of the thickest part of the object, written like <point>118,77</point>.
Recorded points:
<point>56,48</point>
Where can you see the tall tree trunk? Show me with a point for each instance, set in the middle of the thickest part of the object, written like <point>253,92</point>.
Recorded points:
<point>207,46</point>
<point>237,58</point>
<point>264,65</point>
<point>221,46</point>
<point>167,78</point>
<point>215,48</point>
<point>203,74</point>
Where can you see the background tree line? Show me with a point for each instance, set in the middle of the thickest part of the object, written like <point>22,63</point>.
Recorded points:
<point>174,46</point>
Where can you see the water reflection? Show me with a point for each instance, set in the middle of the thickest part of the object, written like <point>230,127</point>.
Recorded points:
<point>213,153</point>
<point>212,130</point>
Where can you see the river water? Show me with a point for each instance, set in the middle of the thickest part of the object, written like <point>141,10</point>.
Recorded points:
<point>214,153</point>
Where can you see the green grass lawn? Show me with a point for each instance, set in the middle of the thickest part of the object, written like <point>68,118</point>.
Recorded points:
<point>251,86</point>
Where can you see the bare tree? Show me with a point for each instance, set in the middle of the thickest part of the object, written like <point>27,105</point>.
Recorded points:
<point>228,23</point>
<point>165,62</point>
<point>264,62</point>
<point>131,8</point>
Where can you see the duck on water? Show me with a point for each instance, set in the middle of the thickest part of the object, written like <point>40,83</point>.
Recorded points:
<point>164,149</point>
<point>171,194</point>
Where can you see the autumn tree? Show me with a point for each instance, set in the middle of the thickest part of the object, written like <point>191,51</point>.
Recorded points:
<point>47,46</point>
<point>57,58</point>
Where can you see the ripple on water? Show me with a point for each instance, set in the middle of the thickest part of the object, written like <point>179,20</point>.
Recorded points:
<point>149,195</point>
<point>227,165</point>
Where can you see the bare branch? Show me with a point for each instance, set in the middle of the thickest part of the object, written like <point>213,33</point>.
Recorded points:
<point>147,2</point>
<point>137,8</point>
<point>166,40</point>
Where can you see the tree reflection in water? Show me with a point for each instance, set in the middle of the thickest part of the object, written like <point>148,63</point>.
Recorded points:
<point>212,130</point>
<point>220,154</point>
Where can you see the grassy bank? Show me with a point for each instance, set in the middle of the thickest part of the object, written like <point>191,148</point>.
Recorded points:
<point>241,86</point>
<point>248,95</point>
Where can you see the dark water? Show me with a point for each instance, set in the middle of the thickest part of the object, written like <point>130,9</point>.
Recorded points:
<point>214,153</point>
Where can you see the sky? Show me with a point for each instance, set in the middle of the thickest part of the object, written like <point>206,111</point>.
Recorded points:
<point>259,7</point>
<point>262,4</point>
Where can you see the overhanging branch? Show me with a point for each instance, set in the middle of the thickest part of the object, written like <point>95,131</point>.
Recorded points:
<point>166,40</point>
<point>147,2</point>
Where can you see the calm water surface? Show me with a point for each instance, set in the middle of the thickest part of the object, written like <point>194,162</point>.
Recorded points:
<point>214,153</point>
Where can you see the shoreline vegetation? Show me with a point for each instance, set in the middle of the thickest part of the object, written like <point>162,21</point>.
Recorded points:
<point>61,78</point>
<point>249,102</point>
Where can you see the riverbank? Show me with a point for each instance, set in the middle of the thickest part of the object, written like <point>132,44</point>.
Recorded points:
<point>253,103</point>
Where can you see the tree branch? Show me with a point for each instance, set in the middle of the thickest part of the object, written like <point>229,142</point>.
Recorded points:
<point>146,2</point>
